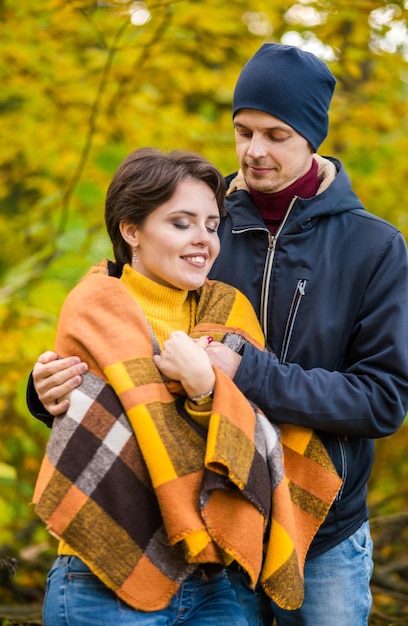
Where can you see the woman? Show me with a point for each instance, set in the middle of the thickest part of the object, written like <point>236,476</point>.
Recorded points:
<point>161,473</point>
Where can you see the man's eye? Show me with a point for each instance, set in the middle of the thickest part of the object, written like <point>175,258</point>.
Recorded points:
<point>279,138</point>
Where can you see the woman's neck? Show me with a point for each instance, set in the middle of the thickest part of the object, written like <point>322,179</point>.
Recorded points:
<point>166,308</point>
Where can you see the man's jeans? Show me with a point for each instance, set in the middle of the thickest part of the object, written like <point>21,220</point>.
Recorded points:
<point>337,589</point>
<point>75,597</point>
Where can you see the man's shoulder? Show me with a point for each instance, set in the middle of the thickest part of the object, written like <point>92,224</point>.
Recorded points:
<point>374,226</point>
<point>230,177</point>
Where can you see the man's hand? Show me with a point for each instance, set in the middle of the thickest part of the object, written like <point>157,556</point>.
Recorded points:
<point>54,378</point>
<point>186,360</point>
<point>224,358</point>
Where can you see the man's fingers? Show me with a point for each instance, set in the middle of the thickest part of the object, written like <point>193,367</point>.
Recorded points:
<point>47,357</point>
<point>57,409</point>
<point>58,372</point>
<point>224,358</point>
<point>54,397</point>
<point>71,365</point>
<point>54,379</point>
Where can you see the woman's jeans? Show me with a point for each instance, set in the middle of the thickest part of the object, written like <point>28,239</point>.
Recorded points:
<point>75,597</point>
<point>337,589</point>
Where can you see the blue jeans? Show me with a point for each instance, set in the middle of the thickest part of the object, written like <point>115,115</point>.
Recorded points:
<point>75,597</point>
<point>337,588</point>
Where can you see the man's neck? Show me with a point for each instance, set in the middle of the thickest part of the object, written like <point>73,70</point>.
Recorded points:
<point>273,206</point>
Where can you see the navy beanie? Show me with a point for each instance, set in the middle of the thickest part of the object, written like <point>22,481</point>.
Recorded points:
<point>290,84</point>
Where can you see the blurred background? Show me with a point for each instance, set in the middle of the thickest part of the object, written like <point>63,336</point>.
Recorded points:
<point>82,83</point>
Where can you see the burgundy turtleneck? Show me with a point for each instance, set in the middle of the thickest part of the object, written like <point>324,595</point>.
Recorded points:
<point>273,206</point>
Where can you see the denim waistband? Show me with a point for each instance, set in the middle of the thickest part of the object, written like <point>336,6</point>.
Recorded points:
<point>208,570</point>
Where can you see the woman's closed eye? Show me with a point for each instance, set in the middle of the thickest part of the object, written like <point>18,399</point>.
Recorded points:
<point>212,227</point>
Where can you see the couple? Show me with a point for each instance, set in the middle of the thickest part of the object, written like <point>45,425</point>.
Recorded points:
<point>328,282</point>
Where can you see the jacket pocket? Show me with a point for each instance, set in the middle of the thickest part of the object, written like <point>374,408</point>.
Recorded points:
<point>341,466</point>
<point>300,293</point>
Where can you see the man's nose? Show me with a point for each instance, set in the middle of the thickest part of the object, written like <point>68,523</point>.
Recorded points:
<point>257,147</point>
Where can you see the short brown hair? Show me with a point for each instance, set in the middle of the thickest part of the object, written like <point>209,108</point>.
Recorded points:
<point>145,180</point>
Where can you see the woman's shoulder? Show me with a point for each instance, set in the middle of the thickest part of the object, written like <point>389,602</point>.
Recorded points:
<point>93,286</point>
<point>215,290</point>
<point>222,304</point>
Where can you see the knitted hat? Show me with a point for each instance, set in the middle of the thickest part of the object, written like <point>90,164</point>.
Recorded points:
<point>290,84</point>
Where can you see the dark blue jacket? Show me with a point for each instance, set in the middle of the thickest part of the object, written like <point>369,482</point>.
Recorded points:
<point>331,291</point>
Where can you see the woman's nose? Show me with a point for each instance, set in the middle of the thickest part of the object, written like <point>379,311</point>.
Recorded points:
<point>202,236</point>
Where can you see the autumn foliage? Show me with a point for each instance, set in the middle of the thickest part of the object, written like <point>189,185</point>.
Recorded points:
<point>85,82</point>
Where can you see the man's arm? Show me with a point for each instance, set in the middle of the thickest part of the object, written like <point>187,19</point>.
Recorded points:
<point>369,398</point>
<point>49,383</point>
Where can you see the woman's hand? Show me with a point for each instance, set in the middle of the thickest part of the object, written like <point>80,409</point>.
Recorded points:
<point>186,360</point>
<point>54,378</point>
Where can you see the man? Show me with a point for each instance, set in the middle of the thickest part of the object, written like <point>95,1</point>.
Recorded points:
<point>329,282</point>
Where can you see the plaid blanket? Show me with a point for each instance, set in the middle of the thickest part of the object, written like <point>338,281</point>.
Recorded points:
<point>144,494</point>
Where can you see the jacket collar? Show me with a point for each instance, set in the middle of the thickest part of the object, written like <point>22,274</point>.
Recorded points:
<point>327,173</point>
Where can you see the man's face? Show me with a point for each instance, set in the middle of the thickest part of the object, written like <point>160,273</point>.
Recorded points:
<point>271,154</point>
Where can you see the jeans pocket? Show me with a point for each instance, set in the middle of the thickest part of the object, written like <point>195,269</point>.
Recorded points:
<point>363,545</point>
<point>361,539</point>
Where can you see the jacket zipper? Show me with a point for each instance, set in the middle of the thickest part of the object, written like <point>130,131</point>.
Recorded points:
<point>263,315</point>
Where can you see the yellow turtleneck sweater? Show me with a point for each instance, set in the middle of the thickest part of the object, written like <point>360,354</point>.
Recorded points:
<point>166,310</point>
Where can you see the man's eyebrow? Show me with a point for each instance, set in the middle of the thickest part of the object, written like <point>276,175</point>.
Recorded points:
<point>267,129</point>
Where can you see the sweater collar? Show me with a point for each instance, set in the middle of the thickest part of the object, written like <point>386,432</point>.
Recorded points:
<point>273,206</point>
<point>326,174</point>
<point>153,298</point>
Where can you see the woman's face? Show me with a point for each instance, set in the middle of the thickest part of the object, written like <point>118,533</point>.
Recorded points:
<point>178,243</point>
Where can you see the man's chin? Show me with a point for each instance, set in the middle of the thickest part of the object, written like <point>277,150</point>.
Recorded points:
<point>258,185</point>
<point>258,182</point>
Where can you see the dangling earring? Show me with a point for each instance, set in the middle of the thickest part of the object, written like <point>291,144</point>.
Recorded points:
<point>134,256</point>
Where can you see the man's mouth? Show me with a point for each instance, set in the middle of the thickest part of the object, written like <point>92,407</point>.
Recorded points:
<point>258,169</point>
